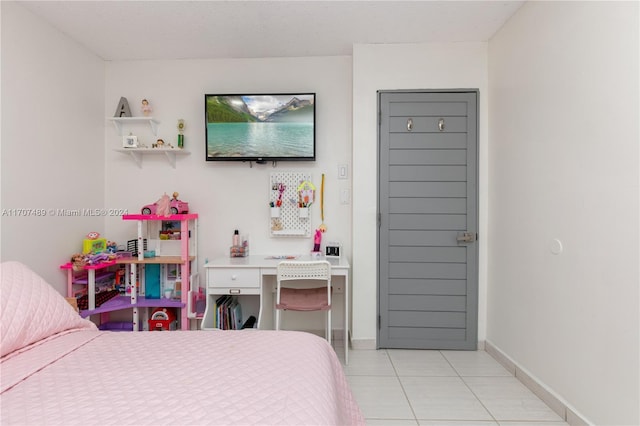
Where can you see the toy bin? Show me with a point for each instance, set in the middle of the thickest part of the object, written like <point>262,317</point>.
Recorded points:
<point>163,319</point>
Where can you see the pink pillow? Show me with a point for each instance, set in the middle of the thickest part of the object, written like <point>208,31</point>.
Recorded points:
<point>31,310</point>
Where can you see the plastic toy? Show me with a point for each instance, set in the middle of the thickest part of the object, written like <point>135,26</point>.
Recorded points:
<point>78,261</point>
<point>166,207</point>
<point>317,239</point>
<point>120,281</point>
<point>112,247</point>
<point>163,206</point>
<point>94,259</point>
<point>163,319</point>
<point>93,243</point>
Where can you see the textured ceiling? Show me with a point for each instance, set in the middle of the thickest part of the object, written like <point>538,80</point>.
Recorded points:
<point>123,30</point>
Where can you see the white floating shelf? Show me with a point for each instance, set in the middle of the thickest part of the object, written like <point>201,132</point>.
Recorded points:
<point>137,154</point>
<point>119,121</point>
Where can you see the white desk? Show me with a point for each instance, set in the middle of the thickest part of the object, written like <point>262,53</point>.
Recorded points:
<point>248,276</point>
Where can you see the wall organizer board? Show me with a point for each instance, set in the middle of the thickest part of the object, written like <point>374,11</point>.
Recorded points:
<point>291,196</point>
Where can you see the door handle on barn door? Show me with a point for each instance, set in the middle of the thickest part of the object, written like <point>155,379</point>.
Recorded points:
<point>466,237</point>
<point>441,124</point>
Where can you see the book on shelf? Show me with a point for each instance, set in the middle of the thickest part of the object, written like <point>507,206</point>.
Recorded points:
<point>228,313</point>
<point>236,315</point>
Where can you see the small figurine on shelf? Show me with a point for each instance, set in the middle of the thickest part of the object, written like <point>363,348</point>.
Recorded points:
<point>146,108</point>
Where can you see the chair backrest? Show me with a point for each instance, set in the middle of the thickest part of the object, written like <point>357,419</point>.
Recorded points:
<point>304,270</point>
<point>304,299</point>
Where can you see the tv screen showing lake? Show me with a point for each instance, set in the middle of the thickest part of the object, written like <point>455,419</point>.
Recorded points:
<point>260,126</point>
<point>260,139</point>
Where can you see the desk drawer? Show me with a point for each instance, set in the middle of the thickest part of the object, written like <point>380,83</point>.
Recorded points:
<point>233,278</point>
<point>234,291</point>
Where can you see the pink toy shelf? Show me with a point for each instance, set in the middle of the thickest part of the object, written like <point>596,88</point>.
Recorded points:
<point>187,298</point>
<point>89,279</point>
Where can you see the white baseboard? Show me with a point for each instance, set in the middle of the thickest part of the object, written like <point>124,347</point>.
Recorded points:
<point>370,344</point>
<point>363,344</point>
<point>556,403</point>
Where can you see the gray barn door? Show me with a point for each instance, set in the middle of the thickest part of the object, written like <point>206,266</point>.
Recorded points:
<point>427,250</point>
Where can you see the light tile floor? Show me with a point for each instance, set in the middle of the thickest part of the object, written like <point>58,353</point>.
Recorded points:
<point>449,388</point>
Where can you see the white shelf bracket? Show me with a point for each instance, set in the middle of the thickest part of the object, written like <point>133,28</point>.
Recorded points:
<point>117,123</point>
<point>137,157</point>
<point>154,126</point>
<point>171,156</point>
<point>118,127</point>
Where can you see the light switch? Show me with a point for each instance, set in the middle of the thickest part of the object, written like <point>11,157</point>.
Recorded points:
<point>345,196</point>
<point>343,171</point>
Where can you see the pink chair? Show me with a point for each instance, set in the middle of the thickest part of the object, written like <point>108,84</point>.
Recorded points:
<point>304,299</point>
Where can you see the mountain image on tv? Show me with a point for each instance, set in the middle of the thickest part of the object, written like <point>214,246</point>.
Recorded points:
<point>234,109</point>
<point>260,126</point>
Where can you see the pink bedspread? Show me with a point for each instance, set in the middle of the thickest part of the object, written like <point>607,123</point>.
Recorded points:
<point>180,378</point>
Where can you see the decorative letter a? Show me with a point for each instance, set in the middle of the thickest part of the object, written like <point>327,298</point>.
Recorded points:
<point>123,108</point>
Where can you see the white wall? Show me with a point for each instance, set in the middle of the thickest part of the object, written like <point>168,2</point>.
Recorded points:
<point>409,66</point>
<point>227,196</point>
<point>52,142</point>
<point>564,165</point>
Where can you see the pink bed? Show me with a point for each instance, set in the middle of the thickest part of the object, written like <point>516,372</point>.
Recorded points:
<point>58,369</point>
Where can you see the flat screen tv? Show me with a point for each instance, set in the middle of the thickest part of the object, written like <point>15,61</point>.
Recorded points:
<point>260,127</point>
